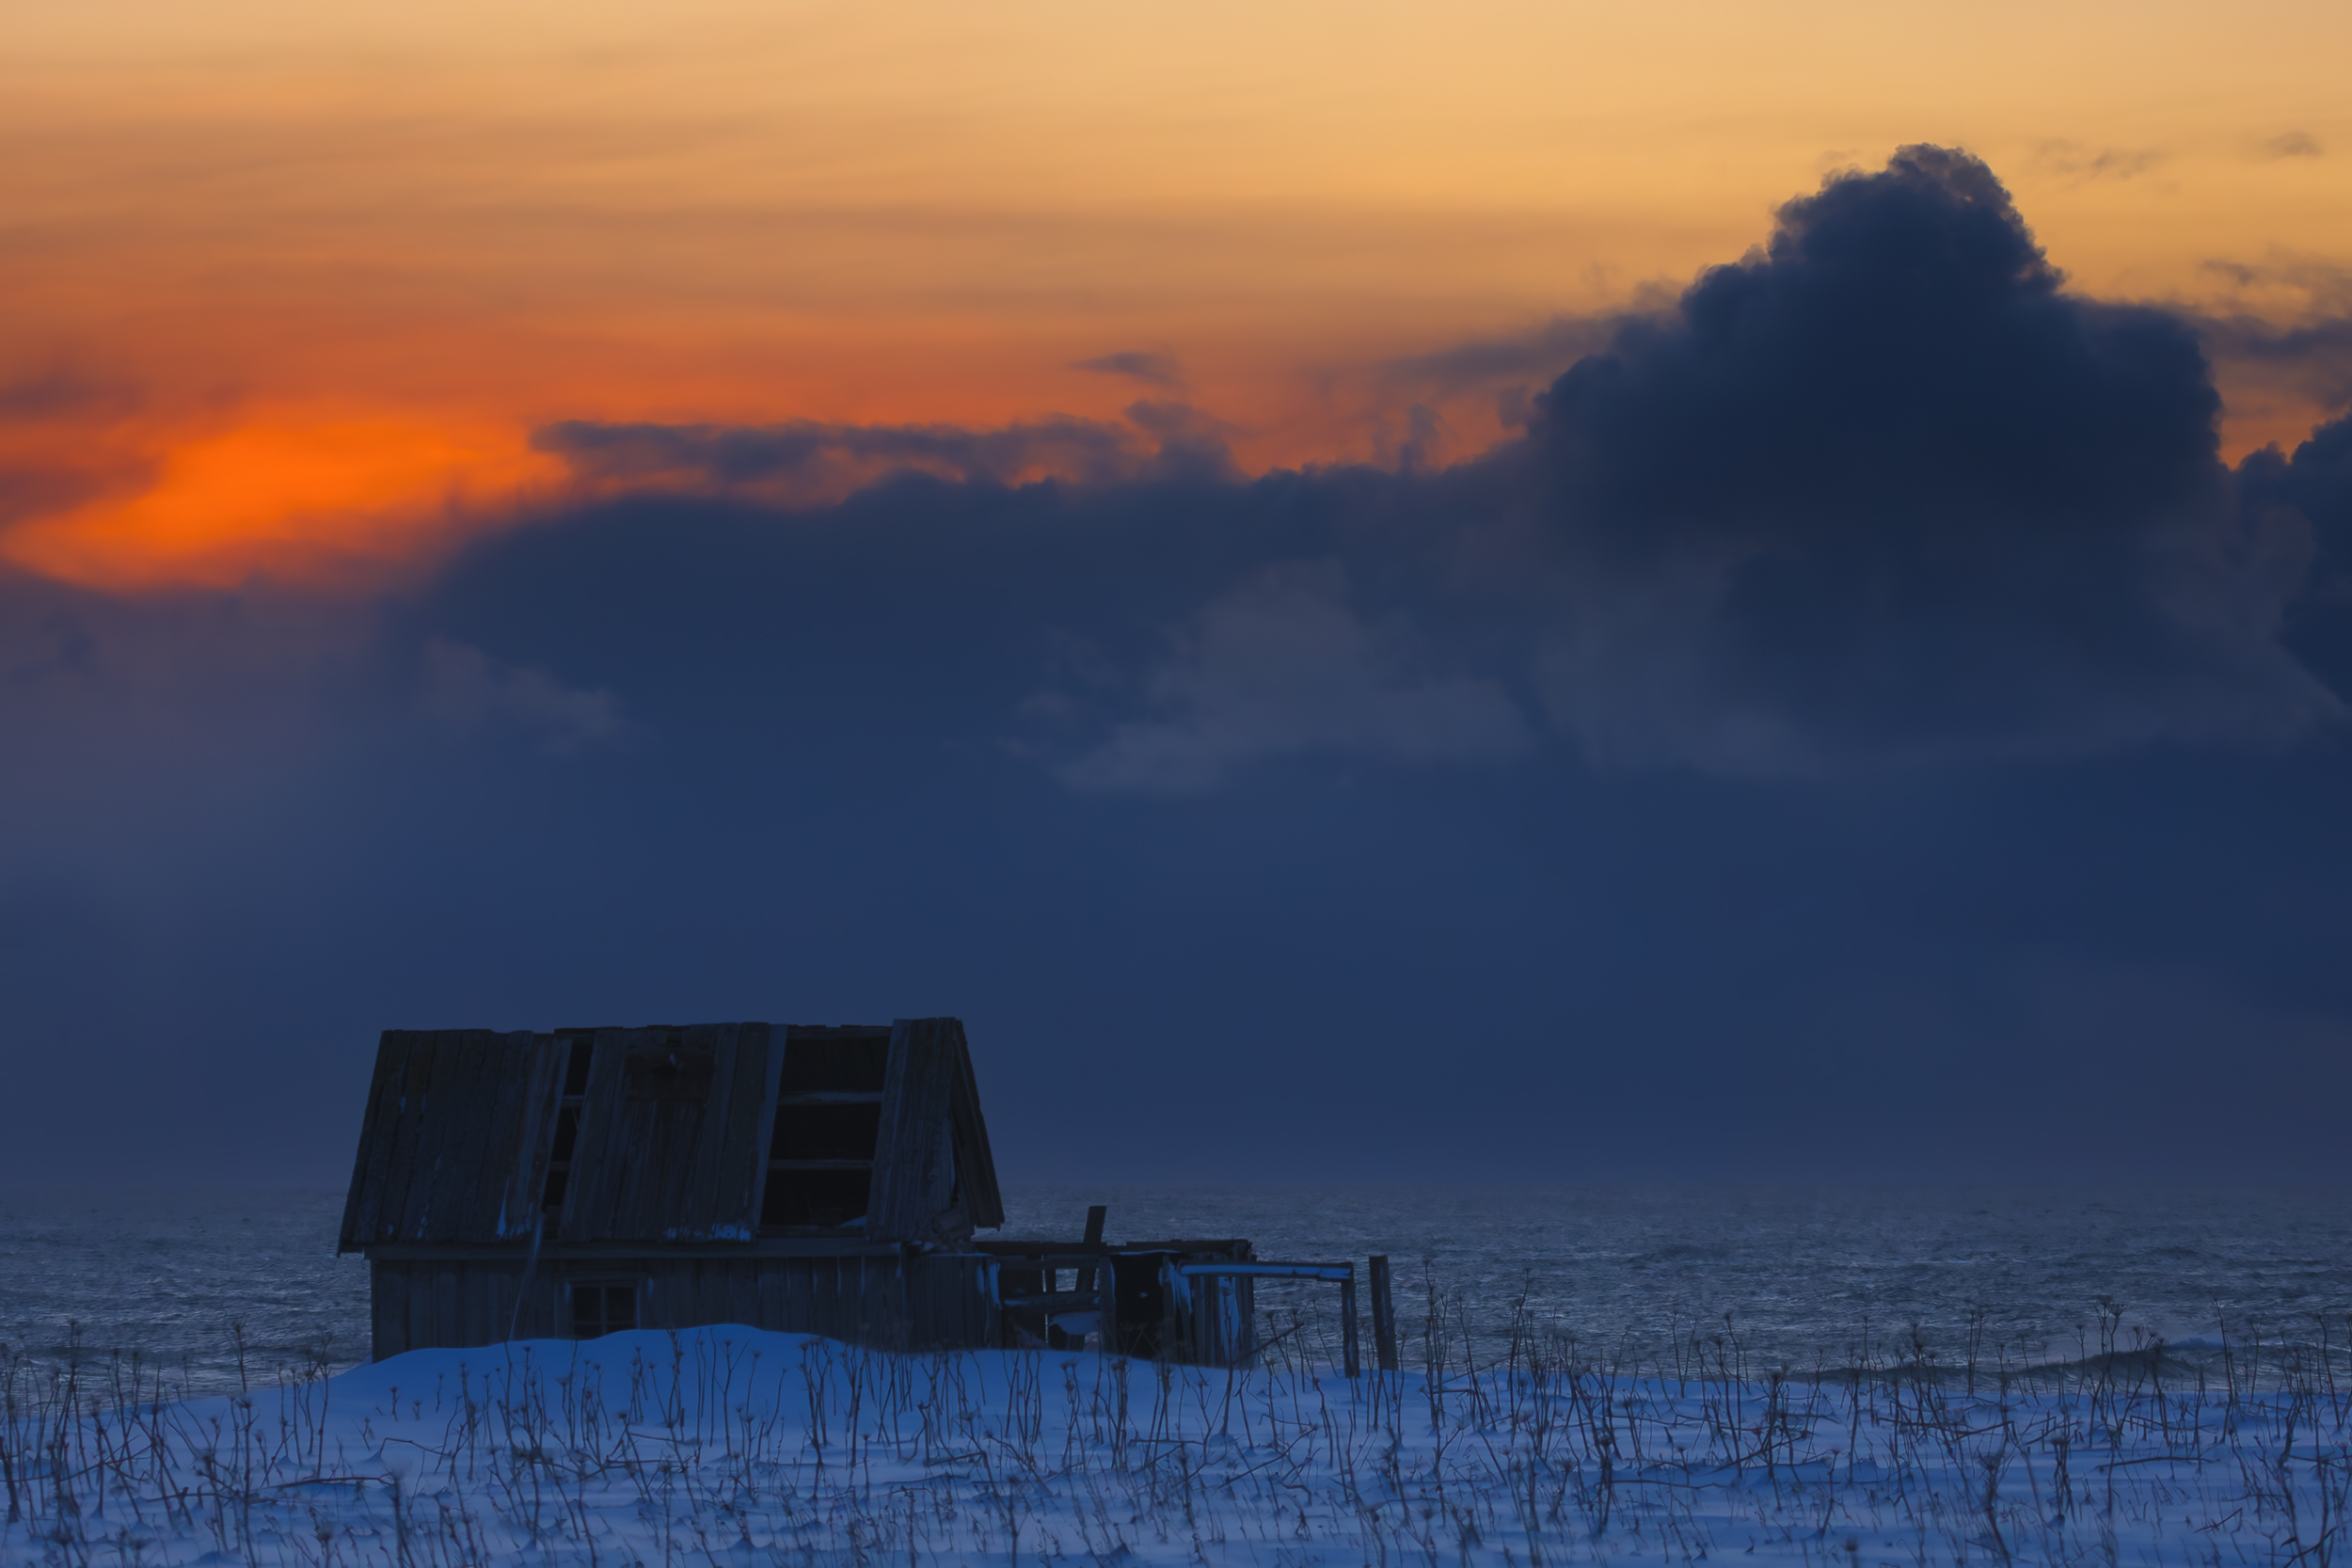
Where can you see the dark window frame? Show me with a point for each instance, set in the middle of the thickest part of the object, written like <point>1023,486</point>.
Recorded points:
<point>596,1304</point>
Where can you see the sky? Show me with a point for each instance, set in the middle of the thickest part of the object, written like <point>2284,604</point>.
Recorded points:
<point>1534,594</point>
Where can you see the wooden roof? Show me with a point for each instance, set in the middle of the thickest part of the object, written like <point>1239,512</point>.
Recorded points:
<point>672,1136</point>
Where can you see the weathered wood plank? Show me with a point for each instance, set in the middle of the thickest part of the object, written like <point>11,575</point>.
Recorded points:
<point>445,1154</point>
<point>410,1077</point>
<point>688,1208</point>
<point>415,1290</point>
<point>801,1297</point>
<point>596,1164</point>
<point>764,1123</point>
<point>363,1205</point>
<point>914,1155</point>
<point>414,1084</point>
<point>509,1309</point>
<point>626,1152</point>
<point>817,1296</point>
<point>430,1082</point>
<point>975,1162</point>
<point>494,1099</point>
<point>519,1315</point>
<point>539,1308</point>
<point>718,1291</point>
<point>682,1206</point>
<point>657,1137</point>
<point>834,1286</point>
<point>388,1311</point>
<point>768,1287</point>
<point>488,1326</point>
<point>491,1318</point>
<point>948,1309</point>
<point>534,1137</point>
<point>745,1128</point>
<point>458,1138</point>
<point>449,1308</point>
<point>986,1324</point>
<point>464,1210</point>
<point>404,1306</point>
<point>658,1300</point>
<point>485,1093</point>
<point>924,1305</point>
<point>943,1285</point>
<point>469,1305</point>
<point>884,1320</point>
<point>743,1294</point>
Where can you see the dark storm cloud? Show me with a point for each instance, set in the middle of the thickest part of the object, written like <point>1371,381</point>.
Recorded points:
<point>2318,481</point>
<point>1153,370</point>
<point>1884,491</point>
<point>2315,485</point>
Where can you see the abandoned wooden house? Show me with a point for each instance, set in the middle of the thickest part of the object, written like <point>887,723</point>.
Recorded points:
<point>823,1180</point>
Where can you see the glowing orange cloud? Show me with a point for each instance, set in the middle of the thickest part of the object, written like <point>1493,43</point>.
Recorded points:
<point>319,500</point>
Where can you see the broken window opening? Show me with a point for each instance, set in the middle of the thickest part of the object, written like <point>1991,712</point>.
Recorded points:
<point>820,1157</point>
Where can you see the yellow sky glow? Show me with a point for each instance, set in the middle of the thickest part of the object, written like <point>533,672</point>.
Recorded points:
<point>285,227</point>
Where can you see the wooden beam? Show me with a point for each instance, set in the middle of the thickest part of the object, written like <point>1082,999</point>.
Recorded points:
<point>1107,1329</point>
<point>1054,1301</point>
<point>1383,1315</point>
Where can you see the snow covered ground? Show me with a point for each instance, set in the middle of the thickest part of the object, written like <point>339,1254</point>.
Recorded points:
<point>728,1446</point>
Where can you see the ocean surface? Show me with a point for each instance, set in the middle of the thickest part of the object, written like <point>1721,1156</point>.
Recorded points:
<point>215,1286</point>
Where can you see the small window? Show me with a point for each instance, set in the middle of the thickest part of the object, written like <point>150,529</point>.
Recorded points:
<point>601,1308</point>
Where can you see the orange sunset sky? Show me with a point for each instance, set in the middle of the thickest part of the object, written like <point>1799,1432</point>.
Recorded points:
<point>288,287</point>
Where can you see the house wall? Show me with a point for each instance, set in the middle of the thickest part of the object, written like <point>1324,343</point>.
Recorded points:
<point>924,1302</point>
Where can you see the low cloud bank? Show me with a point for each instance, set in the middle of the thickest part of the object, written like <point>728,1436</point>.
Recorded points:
<point>1881,493</point>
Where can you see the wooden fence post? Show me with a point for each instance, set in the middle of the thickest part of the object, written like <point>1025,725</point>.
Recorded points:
<point>1106,1301</point>
<point>1349,1348</point>
<point>1383,1316</point>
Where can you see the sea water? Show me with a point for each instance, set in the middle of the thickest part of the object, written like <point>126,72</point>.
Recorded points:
<point>215,1286</point>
